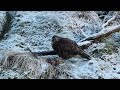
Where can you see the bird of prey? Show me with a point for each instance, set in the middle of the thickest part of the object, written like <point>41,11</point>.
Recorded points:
<point>66,48</point>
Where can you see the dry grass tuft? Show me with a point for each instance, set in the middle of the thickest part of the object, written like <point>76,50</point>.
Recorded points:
<point>24,63</point>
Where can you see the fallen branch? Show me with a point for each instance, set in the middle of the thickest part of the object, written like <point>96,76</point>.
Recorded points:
<point>43,53</point>
<point>99,36</point>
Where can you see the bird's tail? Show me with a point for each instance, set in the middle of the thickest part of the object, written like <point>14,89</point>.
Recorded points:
<point>85,55</point>
<point>81,53</point>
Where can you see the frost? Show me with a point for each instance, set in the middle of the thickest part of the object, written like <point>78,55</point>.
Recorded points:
<point>96,46</point>
<point>83,43</point>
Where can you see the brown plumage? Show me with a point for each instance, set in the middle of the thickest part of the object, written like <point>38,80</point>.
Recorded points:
<point>66,48</point>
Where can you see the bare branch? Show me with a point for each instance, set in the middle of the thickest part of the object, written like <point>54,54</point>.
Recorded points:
<point>83,33</point>
<point>97,37</point>
<point>109,21</point>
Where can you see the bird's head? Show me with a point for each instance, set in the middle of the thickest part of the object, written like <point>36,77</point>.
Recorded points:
<point>55,38</point>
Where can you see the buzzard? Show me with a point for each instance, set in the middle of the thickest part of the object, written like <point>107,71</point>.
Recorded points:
<point>66,48</point>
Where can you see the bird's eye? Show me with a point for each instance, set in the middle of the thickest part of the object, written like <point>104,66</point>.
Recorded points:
<point>56,38</point>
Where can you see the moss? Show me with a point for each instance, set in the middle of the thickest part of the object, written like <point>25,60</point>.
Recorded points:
<point>109,49</point>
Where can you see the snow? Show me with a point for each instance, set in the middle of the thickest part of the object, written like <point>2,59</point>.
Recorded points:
<point>96,46</point>
<point>83,43</point>
<point>34,30</point>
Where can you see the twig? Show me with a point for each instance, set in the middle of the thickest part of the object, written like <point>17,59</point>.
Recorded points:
<point>83,33</point>
<point>108,21</point>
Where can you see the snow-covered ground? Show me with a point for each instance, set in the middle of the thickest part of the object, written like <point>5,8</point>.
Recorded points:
<point>34,30</point>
